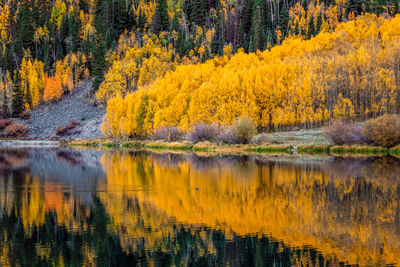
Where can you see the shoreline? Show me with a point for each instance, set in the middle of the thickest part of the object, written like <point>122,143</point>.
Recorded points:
<point>327,149</point>
<point>209,147</point>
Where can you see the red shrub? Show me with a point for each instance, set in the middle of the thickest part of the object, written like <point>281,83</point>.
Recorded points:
<point>15,130</point>
<point>4,123</point>
<point>69,129</point>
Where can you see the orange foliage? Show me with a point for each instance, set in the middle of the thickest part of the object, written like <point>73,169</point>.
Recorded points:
<point>52,88</point>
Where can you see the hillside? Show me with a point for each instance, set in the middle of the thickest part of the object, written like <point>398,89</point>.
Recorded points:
<point>350,72</point>
<point>76,106</point>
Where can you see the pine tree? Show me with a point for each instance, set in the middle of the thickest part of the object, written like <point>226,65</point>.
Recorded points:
<point>311,28</point>
<point>25,32</point>
<point>240,37</point>
<point>142,20</point>
<point>284,20</point>
<point>354,6</point>
<point>161,17</point>
<point>319,24</point>
<point>99,50</point>
<point>395,7</point>
<point>75,25</point>
<point>376,6</point>
<point>217,41</point>
<point>198,12</point>
<point>6,112</point>
<point>256,39</point>
<point>17,96</point>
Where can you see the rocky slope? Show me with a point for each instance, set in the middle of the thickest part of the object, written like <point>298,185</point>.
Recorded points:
<point>76,106</point>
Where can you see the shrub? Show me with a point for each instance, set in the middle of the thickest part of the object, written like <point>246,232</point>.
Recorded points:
<point>227,135</point>
<point>25,115</point>
<point>15,130</point>
<point>203,132</point>
<point>244,129</point>
<point>69,129</point>
<point>383,131</point>
<point>167,133</point>
<point>344,133</point>
<point>4,123</point>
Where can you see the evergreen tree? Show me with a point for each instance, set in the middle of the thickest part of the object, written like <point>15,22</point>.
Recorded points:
<point>395,7</point>
<point>256,39</point>
<point>161,17</point>
<point>120,17</point>
<point>17,96</point>
<point>311,28</point>
<point>319,24</point>
<point>99,50</point>
<point>354,6</point>
<point>75,25</point>
<point>284,20</point>
<point>142,20</point>
<point>175,22</point>
<point>6,112</point>
<point>25,32</point>
<point>376,6</point>
<point>198,12</point>
<point>240,37</point>
<point>217,41</point>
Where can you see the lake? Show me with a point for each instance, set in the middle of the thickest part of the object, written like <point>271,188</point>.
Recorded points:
<point>75,207</point>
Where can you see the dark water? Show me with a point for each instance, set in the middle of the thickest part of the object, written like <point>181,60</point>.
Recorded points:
<point>84,207</point>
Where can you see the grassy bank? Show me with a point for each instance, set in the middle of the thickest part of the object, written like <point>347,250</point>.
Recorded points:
<point>241,148</point>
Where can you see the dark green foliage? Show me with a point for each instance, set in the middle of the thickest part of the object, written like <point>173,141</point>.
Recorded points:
<point>161,17</point>
<point>17,97</point>
<point>354,6</point>
<point>25,32</point>
<point>319,24</point>
<point>141,20</point>
<point>256,39</point>
<point>5,109</point>
<point>311,28</point>
<point>284,20</point>
<point>198,12</point>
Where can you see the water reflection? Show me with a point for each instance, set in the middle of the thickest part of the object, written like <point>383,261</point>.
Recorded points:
<point>84,207</point>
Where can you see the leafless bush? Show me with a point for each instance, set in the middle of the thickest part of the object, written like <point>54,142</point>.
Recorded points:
<point>69,129</point>
<point>167,133</point>
<point>203,132</point>
<point>226,135</point>
<point>344,133</point>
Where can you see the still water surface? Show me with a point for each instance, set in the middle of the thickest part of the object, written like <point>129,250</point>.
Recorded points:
<point>117,208</point>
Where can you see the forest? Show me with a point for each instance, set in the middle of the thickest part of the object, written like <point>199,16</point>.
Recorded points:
<point>180,62</point>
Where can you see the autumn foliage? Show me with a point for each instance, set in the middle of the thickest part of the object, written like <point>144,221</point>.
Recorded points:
<point>52,88</point>
<point>350,71</point>
<point>383,131</point>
